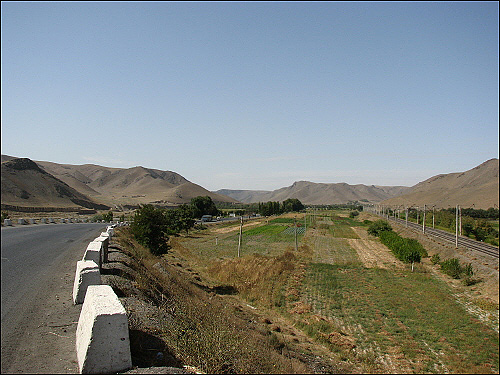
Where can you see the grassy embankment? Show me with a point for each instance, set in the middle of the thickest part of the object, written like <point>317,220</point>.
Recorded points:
<point>373,319</point>
<point>188,322</point>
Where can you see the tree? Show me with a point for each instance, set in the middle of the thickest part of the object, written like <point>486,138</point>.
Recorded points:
<point>180,218</point>
<point>378,226</point>
<point>150,228</point>
<point>353,214</point>
<point>108,216</point>
<point>203,206</point>
<point>292,205</point>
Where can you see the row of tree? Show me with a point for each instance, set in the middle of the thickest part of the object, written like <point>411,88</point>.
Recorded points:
<point>405,249</point>
<point>276,208</point>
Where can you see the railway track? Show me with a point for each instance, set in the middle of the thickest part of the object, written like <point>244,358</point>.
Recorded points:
<point>462,241</point>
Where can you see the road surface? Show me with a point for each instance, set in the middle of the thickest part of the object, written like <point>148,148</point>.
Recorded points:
<point>38,318</point>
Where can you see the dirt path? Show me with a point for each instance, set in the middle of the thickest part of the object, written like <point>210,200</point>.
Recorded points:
<point>233,228</point>
<point>371,252</point>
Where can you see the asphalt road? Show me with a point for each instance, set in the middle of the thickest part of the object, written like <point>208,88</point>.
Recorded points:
<point>38,318</point>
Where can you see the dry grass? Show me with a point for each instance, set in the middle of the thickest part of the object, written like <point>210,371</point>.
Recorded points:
<point>199,327</point>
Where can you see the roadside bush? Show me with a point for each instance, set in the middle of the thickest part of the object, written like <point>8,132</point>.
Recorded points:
<point>353,214</point>
<point>5,215</point>
<point>452,268</point>
<point>435,259</point>
<point>150,229</point>
<point>378,227</point>
<point>108,216</point>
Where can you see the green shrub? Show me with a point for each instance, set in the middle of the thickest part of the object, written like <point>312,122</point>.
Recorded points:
<point>150,229</point>
<point>405,249</point>
<point>108,216</point>
<point>378,227</point>
<point>452,268</point>
<point>435,259</point>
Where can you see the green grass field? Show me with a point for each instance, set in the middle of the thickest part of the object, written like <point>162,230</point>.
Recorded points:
<point>383,309</point>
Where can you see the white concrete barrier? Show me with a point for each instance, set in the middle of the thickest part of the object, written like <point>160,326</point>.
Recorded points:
<point>7,222</point>
<point>110,231</point>
<point>102,337</point>
<point>51,220</point>
<point>104,238</point>
<point>87,273</point>
<point>43,221</point>
<point>94,252</point>
<point>32,221</point>
<point>21,221</point>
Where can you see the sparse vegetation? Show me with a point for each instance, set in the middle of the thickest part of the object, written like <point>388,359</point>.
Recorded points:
<point>366,317</point>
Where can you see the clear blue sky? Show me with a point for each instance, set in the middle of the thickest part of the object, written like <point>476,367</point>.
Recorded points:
<point>254,95</point>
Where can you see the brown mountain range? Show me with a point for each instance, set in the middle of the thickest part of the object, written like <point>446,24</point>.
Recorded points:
<point>319,193</point>
<point>41,184</point>
<point>25,184</point>
<point>104,185</point>
<point>475,188</point>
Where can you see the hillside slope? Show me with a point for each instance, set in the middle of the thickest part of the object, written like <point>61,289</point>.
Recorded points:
<point>129,186</point>
<point>477,188</point>
<point>319,193</point>
<point>25,184</point>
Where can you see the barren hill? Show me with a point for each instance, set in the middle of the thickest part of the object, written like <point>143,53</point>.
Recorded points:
<point>25,184</point>
<point>319,193</point>
<point>129,186</point>
<point>477,188</point>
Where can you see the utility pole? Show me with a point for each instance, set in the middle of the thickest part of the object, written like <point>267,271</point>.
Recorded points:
<point>417,213</point>
<point>456,227</point>
<point>433,214</point>
<point>295,225</point>
<point>423,221</point>
<point>460,219</point>
<point>239,239</point>
<point>406,216</point>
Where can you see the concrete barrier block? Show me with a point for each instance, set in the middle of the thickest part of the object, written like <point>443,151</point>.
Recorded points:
<point>102,337</point>
<point>32,221</point>
<point>94,252</point>
<point>110,231</point>
<point>51,220</point>
<point>104,249</point>
<point>87,273</point>
<point>7,222</point>
<point>43,221</point>
<point>21,221</point>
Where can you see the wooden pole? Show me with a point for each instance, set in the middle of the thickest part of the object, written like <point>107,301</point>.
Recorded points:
<point>460,219</point>
<point>239,239</point>
<point>295,225</point>
<point>456,227</point>
<point>423,221</point>
<point>433,214</point>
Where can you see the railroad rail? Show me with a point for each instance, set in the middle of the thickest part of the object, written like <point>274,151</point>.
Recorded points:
<point>466,242</point>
